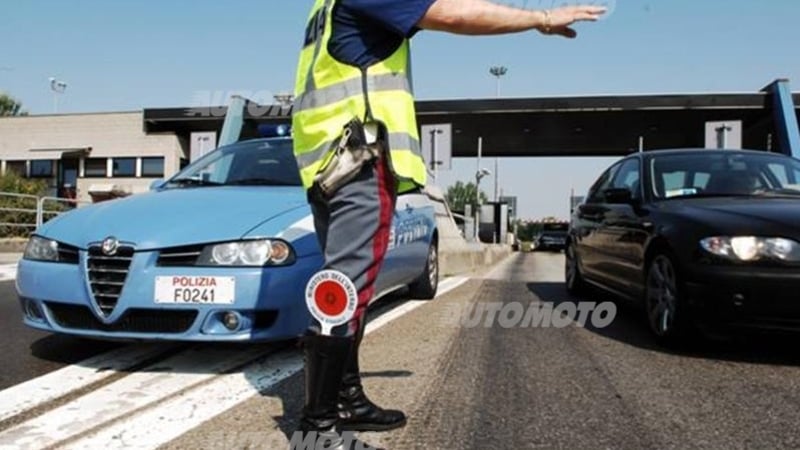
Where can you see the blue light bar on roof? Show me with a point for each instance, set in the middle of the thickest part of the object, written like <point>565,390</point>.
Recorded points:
<point>269,130</point>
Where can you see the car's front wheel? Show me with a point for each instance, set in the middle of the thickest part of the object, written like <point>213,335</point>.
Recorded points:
<point>424,287</point>
<point>665,304</point>
<point>572,271</point>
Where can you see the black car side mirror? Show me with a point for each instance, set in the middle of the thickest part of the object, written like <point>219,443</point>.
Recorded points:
<point>618,196</point>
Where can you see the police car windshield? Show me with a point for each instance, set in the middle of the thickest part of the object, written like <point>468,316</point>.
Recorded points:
<point>250,163</point>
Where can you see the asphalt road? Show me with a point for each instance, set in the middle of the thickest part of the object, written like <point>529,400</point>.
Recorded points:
<point>464,384</point>
<point>26,353</point>
<point>601,388</point>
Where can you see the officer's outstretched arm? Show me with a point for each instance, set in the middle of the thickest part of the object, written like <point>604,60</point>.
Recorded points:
<point>478,17</point>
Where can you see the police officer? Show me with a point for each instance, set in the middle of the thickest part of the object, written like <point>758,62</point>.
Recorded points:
<point>355,69</point>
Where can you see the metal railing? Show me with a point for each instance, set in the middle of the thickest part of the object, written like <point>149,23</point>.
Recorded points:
<point>22,214</point>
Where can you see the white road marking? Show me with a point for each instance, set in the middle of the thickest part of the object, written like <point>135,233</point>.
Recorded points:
<point>444,287</point>
<point>126,396</point>
<point>169,419</point>
<point>23,397</point>
<point>8,272</point>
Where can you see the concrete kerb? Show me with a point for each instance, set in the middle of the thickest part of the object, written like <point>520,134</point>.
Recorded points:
<point>469,258</point>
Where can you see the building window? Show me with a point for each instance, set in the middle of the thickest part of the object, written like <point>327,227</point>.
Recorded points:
<point>17,167</point>
<point>95,167</point>
<point>124,167</point>
<point>42,168</point>
<point>153,167</point>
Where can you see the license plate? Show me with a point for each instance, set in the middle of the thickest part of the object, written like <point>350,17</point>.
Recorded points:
<point>195,290</point>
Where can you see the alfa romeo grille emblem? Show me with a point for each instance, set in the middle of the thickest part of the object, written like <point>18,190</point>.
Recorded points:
<point>110,246</point>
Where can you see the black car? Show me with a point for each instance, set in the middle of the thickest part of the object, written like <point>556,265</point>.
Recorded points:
<point>701,238</point>
<point>552,237</point>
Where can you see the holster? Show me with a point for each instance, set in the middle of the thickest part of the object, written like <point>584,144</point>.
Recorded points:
<point>349,155</point>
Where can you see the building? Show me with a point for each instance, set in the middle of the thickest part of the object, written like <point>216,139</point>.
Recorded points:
<point>81,154</point>
<point>84,154</point>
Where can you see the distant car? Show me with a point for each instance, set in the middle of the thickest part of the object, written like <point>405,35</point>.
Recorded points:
<point>220,252</point>
<point>553,237</point>
<point>698,237</point>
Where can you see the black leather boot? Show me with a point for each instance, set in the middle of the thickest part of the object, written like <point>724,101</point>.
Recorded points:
<point>325,360</point>
<point>356,411</point>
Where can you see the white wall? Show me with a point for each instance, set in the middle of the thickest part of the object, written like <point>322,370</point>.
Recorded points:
<point>108,135</point>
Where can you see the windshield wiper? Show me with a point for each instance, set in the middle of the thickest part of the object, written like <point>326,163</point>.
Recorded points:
<point>261,182</point>
<point>193,181</point>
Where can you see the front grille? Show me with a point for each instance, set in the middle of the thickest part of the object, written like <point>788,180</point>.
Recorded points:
<point>133,321</point>
<point>107,276</point>
<point>67,254</point>
<point>179,256</point>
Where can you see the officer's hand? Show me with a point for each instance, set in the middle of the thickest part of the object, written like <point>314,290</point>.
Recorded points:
<point>560,19</point>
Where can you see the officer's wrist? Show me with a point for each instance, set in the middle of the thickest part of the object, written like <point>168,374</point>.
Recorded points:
<point>544,21</point>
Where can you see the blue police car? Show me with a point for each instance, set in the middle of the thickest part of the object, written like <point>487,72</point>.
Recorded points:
<point>222,251</point>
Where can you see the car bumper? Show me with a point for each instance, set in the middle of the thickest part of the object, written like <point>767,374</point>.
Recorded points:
<point>746,297</point>
<point>269,303</point>
<point>551,245</point>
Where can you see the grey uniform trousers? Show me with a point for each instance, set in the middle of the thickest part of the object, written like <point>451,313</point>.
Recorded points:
<point>353,228</point>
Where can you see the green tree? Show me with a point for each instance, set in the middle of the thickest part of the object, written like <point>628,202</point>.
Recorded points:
<point>527,230</point>
<point>461,194</point>
<point>10,106</point>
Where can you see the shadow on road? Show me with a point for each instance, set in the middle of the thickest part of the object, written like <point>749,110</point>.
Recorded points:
<point>630,327</point>
<point>68,350</point>
<point>291,392</point>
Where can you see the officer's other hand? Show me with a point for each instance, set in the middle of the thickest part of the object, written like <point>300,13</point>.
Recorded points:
<point>562,18</point>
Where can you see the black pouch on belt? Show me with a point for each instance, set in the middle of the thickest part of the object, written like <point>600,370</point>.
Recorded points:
<point>349,154</point>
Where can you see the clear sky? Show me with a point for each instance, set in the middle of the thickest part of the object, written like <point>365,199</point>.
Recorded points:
<point>126,55</point>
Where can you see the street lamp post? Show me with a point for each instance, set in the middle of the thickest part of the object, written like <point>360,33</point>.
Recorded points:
<point>498,72</point>
<point>479,174</point>
<point>58,87</point>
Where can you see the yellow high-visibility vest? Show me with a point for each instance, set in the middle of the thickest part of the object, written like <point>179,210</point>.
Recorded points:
<point>329,94</point>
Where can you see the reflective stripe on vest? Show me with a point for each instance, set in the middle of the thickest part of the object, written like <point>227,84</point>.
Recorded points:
<point>332,94</point>
<point>397,141</point>
<point>328,94</point>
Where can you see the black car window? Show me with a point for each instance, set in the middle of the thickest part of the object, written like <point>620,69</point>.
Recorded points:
<point>602,183</point>
<point>257,162</point>
<point>722,173</point>
<point>785,174</point>
<point>628,177</point>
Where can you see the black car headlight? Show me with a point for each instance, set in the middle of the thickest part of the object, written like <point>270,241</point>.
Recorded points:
<point>255,253</point>
<point>41,249</point>
<point>752,248</point>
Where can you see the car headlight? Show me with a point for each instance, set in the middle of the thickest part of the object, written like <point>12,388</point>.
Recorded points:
<point>255,253</point>
<point>41,249</point>
<point>752,248</point>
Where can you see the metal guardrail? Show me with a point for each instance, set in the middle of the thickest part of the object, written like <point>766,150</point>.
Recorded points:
<point>22,214</point>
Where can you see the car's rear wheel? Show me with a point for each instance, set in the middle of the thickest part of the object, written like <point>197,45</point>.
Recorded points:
<point>572,271</point>
<point>665,304</point>
<point>424,287</point>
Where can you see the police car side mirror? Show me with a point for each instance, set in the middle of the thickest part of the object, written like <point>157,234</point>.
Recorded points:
<point>156,184</point>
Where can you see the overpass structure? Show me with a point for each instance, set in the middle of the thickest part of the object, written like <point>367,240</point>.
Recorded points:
<point>551,126</point>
